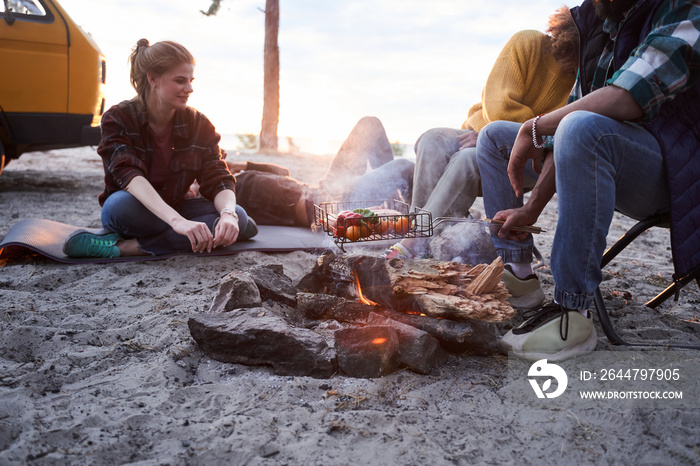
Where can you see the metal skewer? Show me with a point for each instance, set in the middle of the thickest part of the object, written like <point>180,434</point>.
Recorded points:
<point>528,229</point>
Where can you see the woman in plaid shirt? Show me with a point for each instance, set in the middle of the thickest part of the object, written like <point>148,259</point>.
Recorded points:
<point>153,148</point>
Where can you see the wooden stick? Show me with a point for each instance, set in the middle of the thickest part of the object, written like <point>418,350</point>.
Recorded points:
<point>527,229</point>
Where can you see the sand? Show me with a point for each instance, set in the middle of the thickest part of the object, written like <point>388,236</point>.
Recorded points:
<point>97,365</point>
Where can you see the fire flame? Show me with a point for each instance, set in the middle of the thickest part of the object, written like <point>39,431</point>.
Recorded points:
<point>359,292</point>
<point>379,341</point>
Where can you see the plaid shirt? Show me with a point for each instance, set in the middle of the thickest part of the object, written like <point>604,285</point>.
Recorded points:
<point>126,149</point>
<point>665,64</point>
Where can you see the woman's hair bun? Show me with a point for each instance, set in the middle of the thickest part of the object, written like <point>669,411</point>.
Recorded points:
<point>142,43</point>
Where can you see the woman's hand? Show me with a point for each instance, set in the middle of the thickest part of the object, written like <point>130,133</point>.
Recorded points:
<point>227,230</point>
<point>198,233</point>
<point>467,139</point>
<point>519,217</point>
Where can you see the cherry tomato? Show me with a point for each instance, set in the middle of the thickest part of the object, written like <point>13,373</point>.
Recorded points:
<point>353,232</point>
<point>384,226</point>
<point>402,224</point>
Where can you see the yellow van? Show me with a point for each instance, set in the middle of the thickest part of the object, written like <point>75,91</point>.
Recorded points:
<point>52,78</point>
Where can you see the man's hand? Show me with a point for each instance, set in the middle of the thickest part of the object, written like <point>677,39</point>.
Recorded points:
<point>467,139</point>
<point>226,232</point>
<point>519,217</point>
<point>523,150</point>
<point>198,233</point>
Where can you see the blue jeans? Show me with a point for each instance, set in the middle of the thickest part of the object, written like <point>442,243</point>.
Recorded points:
<point>122,213</point>
<point>602,165</point>
<point>446,180</point>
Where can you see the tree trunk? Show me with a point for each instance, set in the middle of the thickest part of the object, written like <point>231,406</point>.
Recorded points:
<point>271,103</point>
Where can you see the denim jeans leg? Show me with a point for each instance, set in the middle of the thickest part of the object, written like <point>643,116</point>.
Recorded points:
<point>124,214</point>
<point>197,210</point>
<point>601,164</point>
<point>434,150</point>
<point>457,188</point>
<point>493,153</point>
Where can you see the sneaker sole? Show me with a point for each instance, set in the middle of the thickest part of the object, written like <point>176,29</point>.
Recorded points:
<point>584,347</point>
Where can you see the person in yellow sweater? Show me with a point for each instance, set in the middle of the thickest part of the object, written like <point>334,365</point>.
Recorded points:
<point>533,74</point>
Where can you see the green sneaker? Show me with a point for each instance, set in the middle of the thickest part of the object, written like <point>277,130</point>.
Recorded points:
<point>525,293</point>
<point>83,243</point>
<point>554,333</point>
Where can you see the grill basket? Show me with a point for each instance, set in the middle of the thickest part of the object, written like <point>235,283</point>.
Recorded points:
<point>419,221</point>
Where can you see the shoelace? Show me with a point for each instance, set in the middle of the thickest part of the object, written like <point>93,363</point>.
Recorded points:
<point>544,314</point>
<point>97,246</point>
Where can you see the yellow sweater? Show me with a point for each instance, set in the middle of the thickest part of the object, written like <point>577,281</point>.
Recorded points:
<point>525,81</point>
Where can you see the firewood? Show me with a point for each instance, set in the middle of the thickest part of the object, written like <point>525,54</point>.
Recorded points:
<point>488,279</point>
<point>448,290</point>
<point>452,290</point>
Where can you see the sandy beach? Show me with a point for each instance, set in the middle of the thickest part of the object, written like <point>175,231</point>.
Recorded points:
<point>98,367</point>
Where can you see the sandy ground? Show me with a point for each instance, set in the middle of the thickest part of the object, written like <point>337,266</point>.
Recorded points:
<point>97,365</point>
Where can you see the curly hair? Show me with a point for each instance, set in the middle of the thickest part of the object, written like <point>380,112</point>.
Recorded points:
<point>565,38</point>
<point>156,59</point>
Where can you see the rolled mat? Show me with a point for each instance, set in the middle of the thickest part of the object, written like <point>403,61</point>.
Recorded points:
<point>46,237</point>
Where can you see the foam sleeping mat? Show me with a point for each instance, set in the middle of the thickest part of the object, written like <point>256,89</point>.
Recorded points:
<point>46,238</point>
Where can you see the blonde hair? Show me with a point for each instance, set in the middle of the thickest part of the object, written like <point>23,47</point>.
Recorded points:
<point>156,59</point>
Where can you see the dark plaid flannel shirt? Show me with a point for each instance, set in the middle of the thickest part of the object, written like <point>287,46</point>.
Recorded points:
<point>127,151</point>
<point>663,66</point>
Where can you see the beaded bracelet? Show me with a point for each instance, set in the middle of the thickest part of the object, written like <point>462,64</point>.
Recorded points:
<point>534,134</point>
<point>230,212</point>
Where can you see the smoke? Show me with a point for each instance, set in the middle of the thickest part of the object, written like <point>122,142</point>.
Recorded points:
<point>383,183</point>
<point>464,242</point>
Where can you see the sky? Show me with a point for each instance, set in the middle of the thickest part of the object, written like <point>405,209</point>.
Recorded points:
<point>414,64</point>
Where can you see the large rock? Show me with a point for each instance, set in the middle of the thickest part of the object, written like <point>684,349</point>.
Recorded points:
<point>236,290</point>
<point>274,285</point>
<point>258,337</point>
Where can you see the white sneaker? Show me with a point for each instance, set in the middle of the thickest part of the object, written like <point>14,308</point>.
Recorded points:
<point>554,333</point>
<point>525,293</point>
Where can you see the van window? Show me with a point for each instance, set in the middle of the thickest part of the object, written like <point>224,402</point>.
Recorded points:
<point>24,9</point>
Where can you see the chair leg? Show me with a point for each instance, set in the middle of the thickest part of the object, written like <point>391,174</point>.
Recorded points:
<point>604,319</point>
<point>624,241</point>
<point>603,316</point>
<point>673,290</point>
<point>616,339</point>
<point>636,230</point>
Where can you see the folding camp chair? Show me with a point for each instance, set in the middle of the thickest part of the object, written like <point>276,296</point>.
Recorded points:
<point>659,220</point>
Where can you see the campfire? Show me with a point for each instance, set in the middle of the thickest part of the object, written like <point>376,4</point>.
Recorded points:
<point>359,315</point>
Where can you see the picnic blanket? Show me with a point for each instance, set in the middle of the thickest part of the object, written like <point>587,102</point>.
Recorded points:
<point>46,237</point>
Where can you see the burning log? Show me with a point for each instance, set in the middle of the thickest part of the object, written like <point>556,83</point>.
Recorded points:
<point>448,306</point>
<point>319,306</point>
<point>457,337</point>
<point>472,336</point>
<point>367,352</point>
<point>418,350</point>
<point>452,290</point>
<point>440,289</point>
